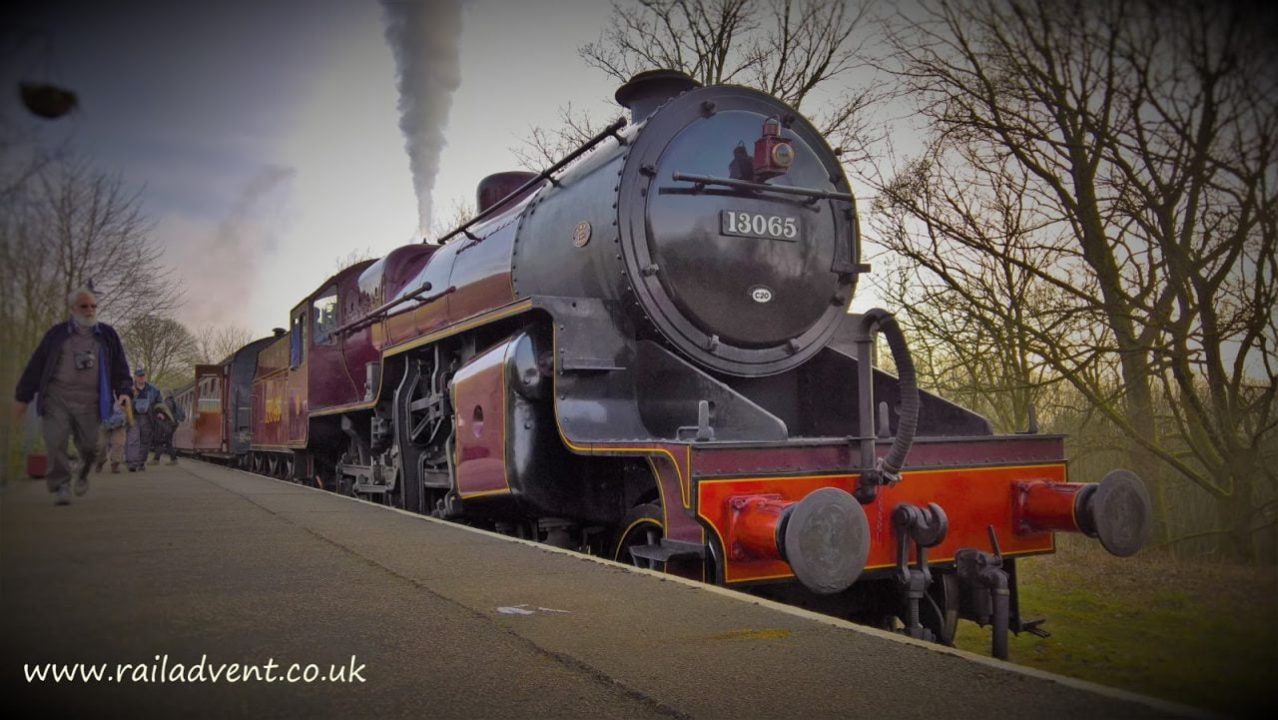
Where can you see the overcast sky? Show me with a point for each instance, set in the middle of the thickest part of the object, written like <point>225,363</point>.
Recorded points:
<point>264,134</point>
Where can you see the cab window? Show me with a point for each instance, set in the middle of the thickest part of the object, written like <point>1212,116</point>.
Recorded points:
<point>324,316</point>
<point>296,339</point>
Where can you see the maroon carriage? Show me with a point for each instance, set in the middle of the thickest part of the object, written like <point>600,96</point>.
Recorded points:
<point>216,407</point>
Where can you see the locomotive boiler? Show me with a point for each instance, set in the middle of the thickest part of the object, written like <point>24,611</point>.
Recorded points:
<point>645,352</point>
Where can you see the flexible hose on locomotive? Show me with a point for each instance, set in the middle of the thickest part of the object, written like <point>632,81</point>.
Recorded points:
<point>908,412</point>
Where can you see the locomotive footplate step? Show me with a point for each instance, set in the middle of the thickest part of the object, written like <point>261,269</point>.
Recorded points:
<point>198,565</point>
<point>668,549</point>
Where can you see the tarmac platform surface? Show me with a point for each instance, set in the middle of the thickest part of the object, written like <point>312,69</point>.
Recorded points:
<point>177,564</point>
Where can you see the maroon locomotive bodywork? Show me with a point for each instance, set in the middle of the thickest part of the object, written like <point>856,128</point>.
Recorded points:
<point>633,355</point>
<point>313,367</point>
<point>478,271</point>
<point>184,433</point>
<point>202,430</point>
<point>336,361</point>
<point>270,392</point>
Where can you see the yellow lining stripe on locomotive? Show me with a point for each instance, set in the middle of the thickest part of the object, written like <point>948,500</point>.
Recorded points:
<point>473,322</point>
<point>631,526</point>
<point>349,407</point>
<point>685,488</point>
<point>1023,466</point>
<point>484,493</point>
<point>464,325</point>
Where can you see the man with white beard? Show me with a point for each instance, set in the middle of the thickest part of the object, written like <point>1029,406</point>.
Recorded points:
<point>78,371</point>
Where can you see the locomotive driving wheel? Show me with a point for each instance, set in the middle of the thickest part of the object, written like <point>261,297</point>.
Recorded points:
<point>641,526</point>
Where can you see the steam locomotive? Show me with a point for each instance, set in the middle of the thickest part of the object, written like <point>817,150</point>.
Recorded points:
<point>645,352</point>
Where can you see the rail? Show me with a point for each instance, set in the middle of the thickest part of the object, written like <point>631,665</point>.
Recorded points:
<point>384,310</point>
<point>702,181</point>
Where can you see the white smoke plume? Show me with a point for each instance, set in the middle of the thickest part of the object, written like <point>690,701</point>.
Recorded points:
<point>222,263</point>
<point>424,35</point>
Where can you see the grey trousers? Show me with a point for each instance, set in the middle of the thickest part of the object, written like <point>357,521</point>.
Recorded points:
<point>111,443</point>
<point>62,423</point>
<point>146,433</point>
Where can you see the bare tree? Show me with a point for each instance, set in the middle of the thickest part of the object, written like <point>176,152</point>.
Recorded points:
<point>804,52</point>
<point>65,224</point>
<point>95,233</point>
<point>459,213</point>
<point>354,257</point>
<point>215,343</point>
<point>1144,135</point>
<point>162,345</point>
<point>985,360</point>
<point>546,146</point>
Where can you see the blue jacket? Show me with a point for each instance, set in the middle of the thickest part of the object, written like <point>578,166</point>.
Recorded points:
<point>145,400</point>
<point>113,367</point>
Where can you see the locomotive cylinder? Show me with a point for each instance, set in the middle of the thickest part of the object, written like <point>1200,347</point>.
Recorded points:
<point>1117,510</point>
<point>824,537</point>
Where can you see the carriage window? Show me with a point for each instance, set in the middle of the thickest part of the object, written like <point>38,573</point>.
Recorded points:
<point>210,400</point>
<point>324,314</point>
<point>295,340</point>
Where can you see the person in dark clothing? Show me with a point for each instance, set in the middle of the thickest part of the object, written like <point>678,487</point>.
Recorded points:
<point>77,372</point>
<point>145,398</point>
<point>162,427</point>
<point>178,416</point>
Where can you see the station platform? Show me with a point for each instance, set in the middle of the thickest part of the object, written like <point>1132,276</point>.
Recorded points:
<point>152,575</point>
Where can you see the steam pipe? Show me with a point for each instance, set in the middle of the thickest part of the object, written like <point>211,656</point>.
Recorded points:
<point>996,580</point>
<point>908,422</point>
<point>886,470</point>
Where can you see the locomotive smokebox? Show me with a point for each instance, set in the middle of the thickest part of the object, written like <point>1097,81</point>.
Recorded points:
<point>646,91</point>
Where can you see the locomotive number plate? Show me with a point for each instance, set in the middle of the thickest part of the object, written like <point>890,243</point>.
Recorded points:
<point>759,225</point>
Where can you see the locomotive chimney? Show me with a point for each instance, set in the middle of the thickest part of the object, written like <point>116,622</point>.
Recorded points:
<point>649,89</point>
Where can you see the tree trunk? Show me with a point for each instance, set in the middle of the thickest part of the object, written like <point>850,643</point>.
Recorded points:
<point>1234,512</point>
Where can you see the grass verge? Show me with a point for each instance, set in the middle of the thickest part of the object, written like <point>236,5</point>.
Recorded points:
<point>1197,633</point>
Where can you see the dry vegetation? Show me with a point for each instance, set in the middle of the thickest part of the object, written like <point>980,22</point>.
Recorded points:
<point>1199,633</point>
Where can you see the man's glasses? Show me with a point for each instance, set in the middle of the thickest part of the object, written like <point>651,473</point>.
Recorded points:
<point>88,307</point>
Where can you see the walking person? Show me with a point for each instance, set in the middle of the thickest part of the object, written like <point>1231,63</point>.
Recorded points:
<point>75,375</point>
<point>178,415</point>
<point>162,426</point>
<point>145,397</point>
